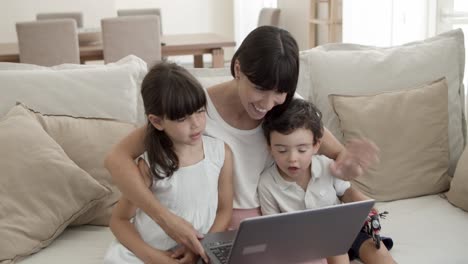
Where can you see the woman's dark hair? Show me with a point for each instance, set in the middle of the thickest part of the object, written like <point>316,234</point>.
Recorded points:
<point>168,91</point>
<point>299,114</point>
<point>269,57</point>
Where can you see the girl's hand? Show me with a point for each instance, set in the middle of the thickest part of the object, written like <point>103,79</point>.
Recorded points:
<point>185,256</point>
<point>355,159</point>
<point>184,233</point>
<point>155,256</point>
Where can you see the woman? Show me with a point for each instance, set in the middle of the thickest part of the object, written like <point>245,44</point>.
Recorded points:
<point>265,71</point>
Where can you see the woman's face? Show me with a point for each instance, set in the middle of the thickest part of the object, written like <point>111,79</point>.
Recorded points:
<point>257,102</point>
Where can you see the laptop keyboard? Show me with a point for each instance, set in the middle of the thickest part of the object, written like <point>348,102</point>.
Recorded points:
<point>222,252</point>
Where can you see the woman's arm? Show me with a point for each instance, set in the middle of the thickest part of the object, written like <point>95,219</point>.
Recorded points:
<point>225,194</point>
<point>350,161</point>
<point>126,175</point>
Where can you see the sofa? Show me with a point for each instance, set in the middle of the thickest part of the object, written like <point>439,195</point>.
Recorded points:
<point>57,124</point>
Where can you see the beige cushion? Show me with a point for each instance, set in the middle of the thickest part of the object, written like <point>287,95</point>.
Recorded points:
<point>458,193</point>
<point>41,189</point>
<point>87,141</point>
<point>411,129</point>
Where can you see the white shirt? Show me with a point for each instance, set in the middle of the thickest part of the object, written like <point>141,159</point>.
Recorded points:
<point>250,154</point>
<point>191,193</point>
<point>278,195</point>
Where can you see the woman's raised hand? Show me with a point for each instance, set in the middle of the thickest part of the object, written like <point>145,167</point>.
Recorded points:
<point>355,159</point>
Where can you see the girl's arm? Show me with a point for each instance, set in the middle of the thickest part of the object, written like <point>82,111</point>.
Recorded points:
<point>126,232</point>
<point>128,236</point>
<point>121,165</point>
<point>225,194</point>
<point>350,161</point>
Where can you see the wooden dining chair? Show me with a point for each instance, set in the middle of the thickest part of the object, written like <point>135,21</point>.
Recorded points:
<point>137,35</point>
<point>48,42</point>
<point>77,16</point>
<point>269,17</point>
<point>142,11</point>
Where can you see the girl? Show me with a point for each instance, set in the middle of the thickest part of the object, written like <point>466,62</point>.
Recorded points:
<point>265,71</point>
<point>189,174</point>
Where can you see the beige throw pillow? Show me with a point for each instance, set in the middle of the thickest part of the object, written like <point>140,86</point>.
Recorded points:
<point>87,141</point>
<point>411,129</point>
<point>41,189</point>
<point>458,193</point>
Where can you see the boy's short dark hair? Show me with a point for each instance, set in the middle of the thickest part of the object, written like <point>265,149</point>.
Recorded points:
<point>299,114</point>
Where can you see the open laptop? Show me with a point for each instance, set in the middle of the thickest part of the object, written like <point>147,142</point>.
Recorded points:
<point>289,238</point>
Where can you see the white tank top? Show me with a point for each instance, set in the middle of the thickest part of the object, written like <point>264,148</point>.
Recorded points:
<point>191,193</point>
<point>250,154</point>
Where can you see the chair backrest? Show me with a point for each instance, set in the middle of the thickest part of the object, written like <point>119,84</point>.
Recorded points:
<point>48,42</point>
<point>137,35</point>
<point>269,17</point>
<point>77,16</point>
<point>142,12</point>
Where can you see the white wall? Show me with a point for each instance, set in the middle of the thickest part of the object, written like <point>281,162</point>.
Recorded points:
<point>26,10</point>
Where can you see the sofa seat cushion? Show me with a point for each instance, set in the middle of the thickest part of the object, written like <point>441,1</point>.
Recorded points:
<point>426,229</point>
<point>76,245</point>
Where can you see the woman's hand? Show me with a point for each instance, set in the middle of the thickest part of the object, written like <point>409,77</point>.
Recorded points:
<point>184,233</point>
<point>355,159</point>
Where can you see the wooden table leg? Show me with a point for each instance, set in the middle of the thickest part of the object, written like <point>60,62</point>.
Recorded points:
<point>218,58</point>
<point>198,61</point>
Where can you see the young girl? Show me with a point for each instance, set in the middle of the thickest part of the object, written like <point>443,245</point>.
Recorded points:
<point>190,174</point>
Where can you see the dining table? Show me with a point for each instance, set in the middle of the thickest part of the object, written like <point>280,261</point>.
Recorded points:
<point>196,44</point>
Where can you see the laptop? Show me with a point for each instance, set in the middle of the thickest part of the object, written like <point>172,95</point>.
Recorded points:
<point>294,237</point>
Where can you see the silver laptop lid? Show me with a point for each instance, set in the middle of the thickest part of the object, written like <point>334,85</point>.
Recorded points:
<point>299,236</point>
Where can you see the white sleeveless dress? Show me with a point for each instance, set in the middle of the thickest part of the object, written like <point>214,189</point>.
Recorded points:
<point>191,193</point>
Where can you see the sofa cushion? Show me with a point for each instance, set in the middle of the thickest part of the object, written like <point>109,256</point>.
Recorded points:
<point>410,128</point>
<point>41,189</point>
<point>350,69</point>
<point>103,91</point>
<point>458,193</point>
<point>87,141</point>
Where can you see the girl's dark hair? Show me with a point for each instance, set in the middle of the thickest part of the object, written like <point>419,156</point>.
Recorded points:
<point>168,91</point>
<point>269,57</point>
<point>299,114</point>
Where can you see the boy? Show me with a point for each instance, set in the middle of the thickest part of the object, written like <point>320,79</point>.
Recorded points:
<point>302,180</point>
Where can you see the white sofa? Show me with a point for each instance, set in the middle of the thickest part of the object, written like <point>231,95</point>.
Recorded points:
<point>70,101</point>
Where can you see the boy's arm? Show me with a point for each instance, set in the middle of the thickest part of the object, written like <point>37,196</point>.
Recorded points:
<point>353,195</point>
<point>225,194</point>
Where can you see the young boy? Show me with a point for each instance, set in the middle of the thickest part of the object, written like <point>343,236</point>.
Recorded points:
<point>302,180</point>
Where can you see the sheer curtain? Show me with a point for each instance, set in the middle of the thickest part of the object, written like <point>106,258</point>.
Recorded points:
<point>246,16</point>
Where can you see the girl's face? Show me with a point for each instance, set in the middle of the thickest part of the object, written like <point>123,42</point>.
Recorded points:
<point>187,130</point>
<point>293,152</point>
<point>257,102</point>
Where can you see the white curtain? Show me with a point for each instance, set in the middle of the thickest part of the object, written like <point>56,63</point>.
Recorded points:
<point>246,16</point>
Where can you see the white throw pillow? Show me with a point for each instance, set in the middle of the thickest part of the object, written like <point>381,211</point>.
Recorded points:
<point>102,91</point>
<point>349,69</point>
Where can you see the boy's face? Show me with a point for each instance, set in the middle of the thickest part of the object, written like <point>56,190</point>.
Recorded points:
<point>293,152</point>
